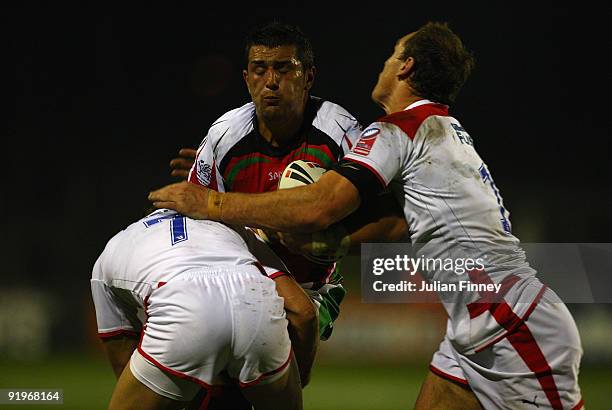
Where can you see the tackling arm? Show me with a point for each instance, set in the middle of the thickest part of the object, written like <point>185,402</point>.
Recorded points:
<point>303,324</point>
<point>304,209</point>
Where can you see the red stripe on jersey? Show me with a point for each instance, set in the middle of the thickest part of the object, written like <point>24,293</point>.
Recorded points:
<point>410,120</point>
<point>579,405</point>
<point>447,376</point>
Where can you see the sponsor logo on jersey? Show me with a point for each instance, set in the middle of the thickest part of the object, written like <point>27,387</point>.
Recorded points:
<point>274,175</point>
<point>204,173</point>
<point>366,142</point>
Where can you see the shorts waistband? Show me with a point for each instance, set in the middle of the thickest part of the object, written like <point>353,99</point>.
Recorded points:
<point>224,270</point>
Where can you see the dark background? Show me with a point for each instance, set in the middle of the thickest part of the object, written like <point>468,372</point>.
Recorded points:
<point>104,98</point>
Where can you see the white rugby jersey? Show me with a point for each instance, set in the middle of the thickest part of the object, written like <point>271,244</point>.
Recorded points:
<point>453,210</point>
<point>156,249</point>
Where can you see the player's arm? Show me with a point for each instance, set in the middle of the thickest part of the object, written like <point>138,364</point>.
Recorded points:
<point>380,221</point>
<point>310,208</point>
<point>360,175</point>
<point>119,349</point>
<point>118,325</point>
<point>303,324</point>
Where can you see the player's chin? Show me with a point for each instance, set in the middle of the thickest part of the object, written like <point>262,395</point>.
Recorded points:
<point>272,111</point>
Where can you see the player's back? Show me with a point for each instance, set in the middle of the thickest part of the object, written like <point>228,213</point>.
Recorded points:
<point>165,244</point>
<point>454,212</point>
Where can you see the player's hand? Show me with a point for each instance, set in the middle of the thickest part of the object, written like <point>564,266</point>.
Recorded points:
<point>184,197</point>
<point>180,166</point>
<point>298,243</point>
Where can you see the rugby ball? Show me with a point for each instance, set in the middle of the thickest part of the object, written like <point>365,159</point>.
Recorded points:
<point>326,246</point>
<point>299,173</point>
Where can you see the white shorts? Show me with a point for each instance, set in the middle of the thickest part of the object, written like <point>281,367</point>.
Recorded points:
<point>210,327</point>
<point>535,366</point>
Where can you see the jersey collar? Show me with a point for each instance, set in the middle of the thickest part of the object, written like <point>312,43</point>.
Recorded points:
<point>418,104</point>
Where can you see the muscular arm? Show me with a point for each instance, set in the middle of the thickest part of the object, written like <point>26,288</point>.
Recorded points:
<point>304,209</point>
<point>381,220</point>
<point>303,324</point>
<point>119,350</point>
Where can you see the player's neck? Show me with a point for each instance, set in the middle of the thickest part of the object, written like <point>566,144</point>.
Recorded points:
<point>400,98</point>
<point>279,132</point>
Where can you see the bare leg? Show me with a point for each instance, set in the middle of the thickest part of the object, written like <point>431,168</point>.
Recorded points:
<point>285,393</point>
<point>130,393</point>
<point>439,393</point>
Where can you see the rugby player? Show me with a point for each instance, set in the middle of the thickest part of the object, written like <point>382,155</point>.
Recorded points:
<point>518,348</point>
<point>247,149</point>
<point>183,304</point>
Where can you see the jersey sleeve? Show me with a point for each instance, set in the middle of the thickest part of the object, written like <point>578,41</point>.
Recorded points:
<point>351,136</point>
<point>112,315</point>
<point>205,170</point>
<point>377,157</point>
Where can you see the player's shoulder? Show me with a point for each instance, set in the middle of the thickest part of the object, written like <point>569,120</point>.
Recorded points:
<point>410,120</point>
<point>233,125</point>
<point>331,118</point>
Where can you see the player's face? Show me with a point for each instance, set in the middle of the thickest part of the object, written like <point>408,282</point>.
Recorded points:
<point>388,77</point>
<point>277,81</point>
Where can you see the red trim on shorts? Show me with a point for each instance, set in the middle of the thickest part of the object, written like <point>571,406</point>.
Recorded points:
<point>105,335</point>
<point>174,372</point>
<point>369,168</point>
<point>519,336</point>
<point>277,275</point>
<point>270,373</point>
<point>527,347</point>
<point>488,299</point>
<point>579,405</point>
<point>513,322</point>
<point>447,376</point>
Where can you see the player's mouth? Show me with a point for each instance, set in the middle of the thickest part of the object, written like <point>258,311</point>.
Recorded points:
<point>271,100</point>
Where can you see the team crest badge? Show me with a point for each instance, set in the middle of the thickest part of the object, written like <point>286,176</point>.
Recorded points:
<point>204,173</point>
<point>366,141</point>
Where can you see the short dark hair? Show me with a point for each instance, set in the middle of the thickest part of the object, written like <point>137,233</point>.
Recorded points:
<point>442,64</point>
<point>277,34</point>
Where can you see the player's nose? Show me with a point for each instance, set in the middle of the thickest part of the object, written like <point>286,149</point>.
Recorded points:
<point>272,79</point>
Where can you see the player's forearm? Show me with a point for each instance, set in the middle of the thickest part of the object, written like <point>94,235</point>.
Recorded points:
<point>291,210</point>
<point>309,208</point>
<point>304,335</point>
<point>303,323</point>
<point>392,228</point>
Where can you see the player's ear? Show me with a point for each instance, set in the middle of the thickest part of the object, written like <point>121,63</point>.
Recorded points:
<point>310,76</point>
<point>245,76</point>
<point>406,69</point>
